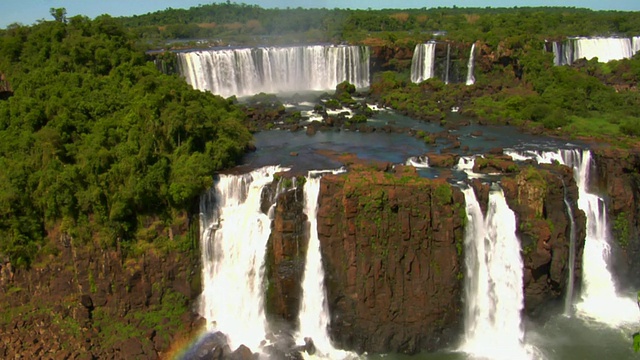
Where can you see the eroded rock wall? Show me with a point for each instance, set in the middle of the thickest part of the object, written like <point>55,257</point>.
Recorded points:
<point>86,302</point>
<point>392,252</point>
<point>537,196</point>
<point>286,254</point>
<point>618,178</point>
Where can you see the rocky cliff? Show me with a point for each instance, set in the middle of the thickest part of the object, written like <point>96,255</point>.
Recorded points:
<point>391,246</point>
<point>537,196</point>
<point>83,302</point>
<point>618,176</point>
<point>286,253</point>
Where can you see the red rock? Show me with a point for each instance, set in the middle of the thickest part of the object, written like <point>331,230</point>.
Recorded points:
<point>384,240</point>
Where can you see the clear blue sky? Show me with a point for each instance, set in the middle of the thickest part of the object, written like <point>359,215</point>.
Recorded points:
<point>28,12</point>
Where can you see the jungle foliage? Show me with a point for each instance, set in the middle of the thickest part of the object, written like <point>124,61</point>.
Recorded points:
<point>251,23</point>
<point>517,82</point>
<point>94,138</point>
<point>587,99</point>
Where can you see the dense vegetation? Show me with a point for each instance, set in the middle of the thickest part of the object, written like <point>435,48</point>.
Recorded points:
<point>516,81</point>
<point>95,142</point>
<point>249,23</point>
<point>588,99</point>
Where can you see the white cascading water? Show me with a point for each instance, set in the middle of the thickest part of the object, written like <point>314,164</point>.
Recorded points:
<point>421,161</point>
<point>244,72</point>
<point>493,282</point>
<point>446,74</point>
<point>605,49</point>
<point>314,311</point>
<point>635,44</point>
<point>234,233</point>
<point>466,164</point>
<point>470,66</point>
<point>423,63</point>
<point>599,299</point>
<point>560,56</point>
<point>568,300</point>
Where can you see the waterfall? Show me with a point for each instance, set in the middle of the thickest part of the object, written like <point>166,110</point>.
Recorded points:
<point>314,311</point>
<point>493,281</point>
<point>465,164</point>
<point>423,62</point>
<point>418,161</point>
<point>635,44</point>
<point>446,74</point>
<point>244,72</point>
<point>234,233</point>
<point>568,301</point>
<point>558,54</point>
<point>470,77</point>
<point>599,299</point>
<point>605,49</point>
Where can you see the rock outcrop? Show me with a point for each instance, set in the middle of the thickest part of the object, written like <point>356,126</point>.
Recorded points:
<point>5,88</point>
<point>84,302</point>
<point>390,58</point>
<point>618,176</point>
<point>392,250</point>
<point>537,196</point>
<point>286,254</point>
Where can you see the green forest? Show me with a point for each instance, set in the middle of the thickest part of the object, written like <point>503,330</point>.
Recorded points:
<point>251,23</point>
<point>517,82</point>
<point>96,143</point>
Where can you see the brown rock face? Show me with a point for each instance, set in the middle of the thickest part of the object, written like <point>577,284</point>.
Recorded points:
<point>442,160</point>
<point>286,254</point>
<point>618,175</point>
<point>391,246</point>
<point>390,58</point>
<point>81,302</point>
<point>494,164</point>
<point>5,87</point>
<point>537,196</point>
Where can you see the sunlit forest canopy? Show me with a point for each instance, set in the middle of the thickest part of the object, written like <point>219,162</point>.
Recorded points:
<point>94,138</point>
<point>241,22</point>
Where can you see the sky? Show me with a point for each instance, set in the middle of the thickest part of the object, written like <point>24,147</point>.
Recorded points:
<point>28,12</point>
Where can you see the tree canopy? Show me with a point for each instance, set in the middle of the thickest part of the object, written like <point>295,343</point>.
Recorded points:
<point>95,138</point>
<point>252,24</point>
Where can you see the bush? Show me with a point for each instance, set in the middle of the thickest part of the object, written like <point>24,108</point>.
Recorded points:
<point>359,119</point>
<point>345,87</point>
<point>333,104</point>
<point>631,127</point>
<point>555,119</point>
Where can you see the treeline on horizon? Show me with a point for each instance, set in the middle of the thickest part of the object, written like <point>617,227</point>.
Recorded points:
<point>241,22</point>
